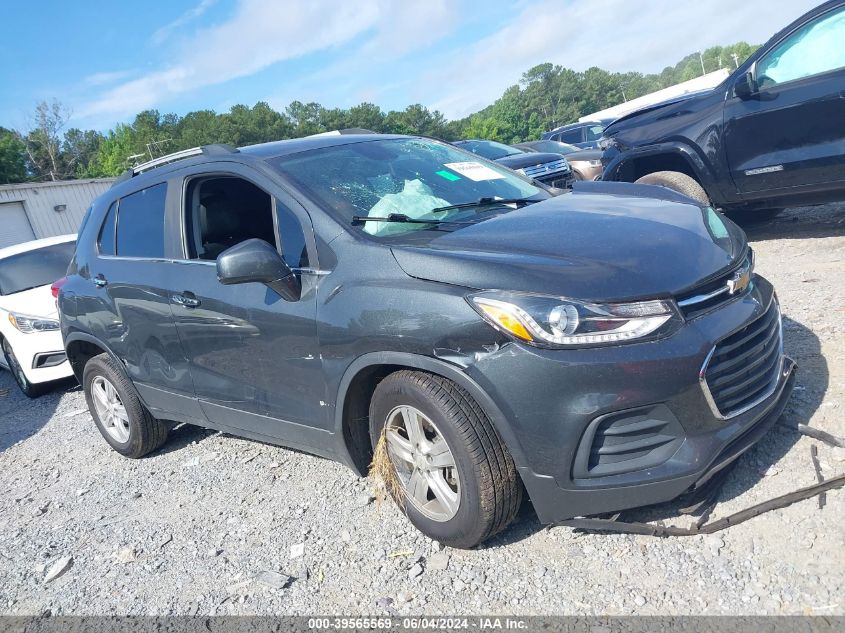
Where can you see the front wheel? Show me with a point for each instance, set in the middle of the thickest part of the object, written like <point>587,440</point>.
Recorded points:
<point>29,389</point>
<point>449,470</point>
<point>676,181</point>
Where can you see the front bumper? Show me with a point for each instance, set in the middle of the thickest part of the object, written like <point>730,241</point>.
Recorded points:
<point>562,396</point>
<point>561,180</point>
<point>41,355</point>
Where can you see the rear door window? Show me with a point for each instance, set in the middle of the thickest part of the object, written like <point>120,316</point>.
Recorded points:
<point>140,223</point>
<point>572,136</point>
<point>594,132</point>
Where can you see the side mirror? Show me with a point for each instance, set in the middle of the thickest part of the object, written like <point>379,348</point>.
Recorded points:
<point>255,261</point>
<point>746,86</point>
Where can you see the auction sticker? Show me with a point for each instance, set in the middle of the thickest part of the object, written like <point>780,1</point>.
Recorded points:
<point>475,171</point>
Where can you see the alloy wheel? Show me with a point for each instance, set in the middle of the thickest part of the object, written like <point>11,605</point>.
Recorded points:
<point>110,409</point>
<point>424,463</point>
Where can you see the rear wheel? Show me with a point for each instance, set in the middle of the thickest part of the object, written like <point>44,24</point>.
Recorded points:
<point>117,411</point>
<point>29,389</point>
<point>452,474</point>
<point>676,181</point>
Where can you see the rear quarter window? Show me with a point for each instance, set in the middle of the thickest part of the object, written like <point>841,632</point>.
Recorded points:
<point>105,241</point>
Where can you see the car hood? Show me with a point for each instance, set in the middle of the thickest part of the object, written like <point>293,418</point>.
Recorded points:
<point>669,105</point>
<point>587,154</point>
<point>33,302</point>
<point>592,246</point>
<point>529,159</point>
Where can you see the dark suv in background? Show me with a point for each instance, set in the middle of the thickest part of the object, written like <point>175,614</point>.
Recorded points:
<point>394,296</point>
<point>771,135</point>
<point>551,169</point>
<point>585,135</point>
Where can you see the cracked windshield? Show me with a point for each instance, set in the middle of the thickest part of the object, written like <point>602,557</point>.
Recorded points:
<point>395,187</point>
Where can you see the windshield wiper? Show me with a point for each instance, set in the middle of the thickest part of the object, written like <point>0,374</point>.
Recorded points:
<point>483,202</point>
<point>401,217</point>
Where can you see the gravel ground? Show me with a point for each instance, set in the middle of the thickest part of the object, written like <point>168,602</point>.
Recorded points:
<point>213,524</point>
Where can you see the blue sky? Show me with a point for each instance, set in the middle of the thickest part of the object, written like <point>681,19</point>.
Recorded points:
<point>108,60</point>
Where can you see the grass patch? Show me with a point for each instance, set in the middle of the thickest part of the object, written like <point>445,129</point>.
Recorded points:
<point>383,476</point>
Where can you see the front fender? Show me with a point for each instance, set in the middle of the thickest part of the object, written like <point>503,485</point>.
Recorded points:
<point>617,164</point>
<point>434,366</point>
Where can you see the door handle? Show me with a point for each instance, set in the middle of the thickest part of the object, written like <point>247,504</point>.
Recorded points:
<point>100,281</point>
<point>186,300</point>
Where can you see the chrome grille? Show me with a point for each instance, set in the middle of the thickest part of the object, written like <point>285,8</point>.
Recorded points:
<point>743,369</point>
<point>714,293</point>
<point>538,171</point>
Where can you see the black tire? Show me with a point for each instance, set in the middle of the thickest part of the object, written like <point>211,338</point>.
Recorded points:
<point>29,389</point>
<point>676,181</point>
<point>490,491</point>
<point>146,434</point>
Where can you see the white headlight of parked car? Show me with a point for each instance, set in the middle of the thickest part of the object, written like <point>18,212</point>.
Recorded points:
<point>28,324</point>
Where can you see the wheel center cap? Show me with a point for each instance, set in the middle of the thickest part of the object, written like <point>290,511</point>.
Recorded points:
<point>420,461</point>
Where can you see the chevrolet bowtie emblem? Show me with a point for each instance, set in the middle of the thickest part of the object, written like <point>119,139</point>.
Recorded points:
<point>739,281</point>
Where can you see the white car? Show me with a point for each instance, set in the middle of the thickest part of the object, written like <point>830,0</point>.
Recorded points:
<point>29,321</point>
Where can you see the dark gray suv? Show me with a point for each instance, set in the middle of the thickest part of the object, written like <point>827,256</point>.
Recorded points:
<point>356,295</point>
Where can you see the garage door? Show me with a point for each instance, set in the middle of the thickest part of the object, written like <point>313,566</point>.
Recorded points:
<point>14,225</point>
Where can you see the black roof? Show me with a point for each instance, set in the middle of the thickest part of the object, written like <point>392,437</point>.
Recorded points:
<point>602,122</point>
<point>295,145</point>
<point>261,151</point>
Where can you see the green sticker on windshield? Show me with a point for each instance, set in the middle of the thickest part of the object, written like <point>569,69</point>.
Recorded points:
<point>448,175</point>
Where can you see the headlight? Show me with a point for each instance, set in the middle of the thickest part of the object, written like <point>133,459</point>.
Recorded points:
<point>520,171</point>
<point>555,322</point>
<point>30,324</point>
<point>595,163</point>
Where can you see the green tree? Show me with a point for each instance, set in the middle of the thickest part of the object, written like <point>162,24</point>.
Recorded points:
<point>415,119</point>
<point>43,142</point>
<point>368,116</point>
<point>12,157</point>
<point>202,127</point>
<point>113,156</point>
<point>305,118</point>
<point>243,125</point>
<point>481,126</point>
<point>80,148</point>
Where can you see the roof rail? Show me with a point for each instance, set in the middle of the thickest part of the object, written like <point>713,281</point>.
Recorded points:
<point>209,150</point>
<point>217,149</point>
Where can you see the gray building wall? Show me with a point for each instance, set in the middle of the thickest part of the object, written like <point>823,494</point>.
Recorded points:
<point>41,199</point>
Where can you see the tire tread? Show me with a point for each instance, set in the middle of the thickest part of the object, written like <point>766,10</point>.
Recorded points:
<point>677,181</point>
<point>500,487</point>
<point>152,433</point>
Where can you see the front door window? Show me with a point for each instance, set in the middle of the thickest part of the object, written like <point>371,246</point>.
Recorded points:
<point>813,49</point>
